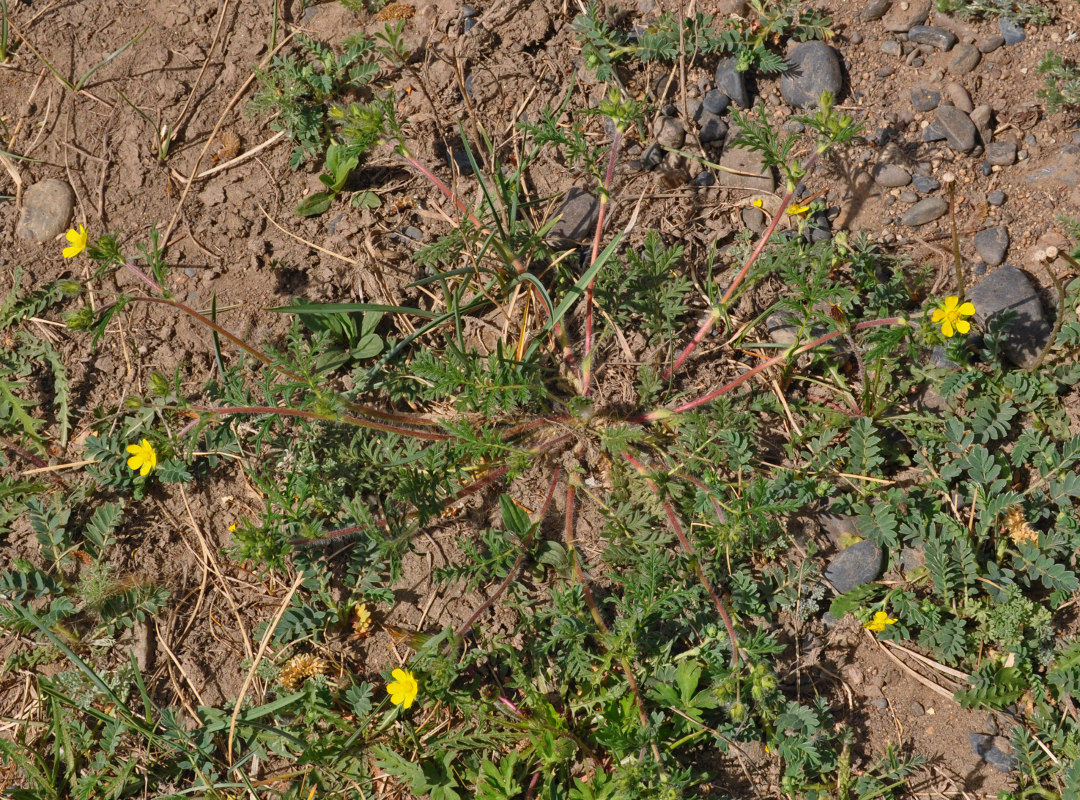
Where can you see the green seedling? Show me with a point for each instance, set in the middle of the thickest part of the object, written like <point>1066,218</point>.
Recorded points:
<point>340,163</point>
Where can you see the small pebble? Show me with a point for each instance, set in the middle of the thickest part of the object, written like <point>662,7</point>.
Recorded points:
<point>924,98</point>
<point>753,218</point>
<point>1002,154</point>
<point>711,128</point>
<point>979,269</point>
<point>879,702</point>
<point>468,11</point>
<point>991,44</point>
<point>715,101</point>
<point>704,178</point>
<point>885,71</point>
<point>875,9</point>
<point>413,233</point>
<point>916,62</point>
<point>965,58</point>
<point>917,709</point>
<point>956,126</point>
<point>856,38</point>
<point>924,211</point>
<point>992,244</point>
<point>891,175</point>
<point>959,97</point>
<point>794,126</point>
<point>669,133</point>
<point>890,47</point>
<point>924,184</point>
<point>468,24</point>
<point>652,156</point>
<point>996,197</point>
<point>940,38</point>
<point>986,169</point>
<point>1022,155</point>
<point>670,110</point>
<point>854,566</point>
<point>908,197</point>
<point>1030,140</point>
<point>1011,32</point>
<point>732,83</point>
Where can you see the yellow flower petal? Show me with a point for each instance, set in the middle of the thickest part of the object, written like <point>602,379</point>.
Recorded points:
<point>963,326</point>
<point>143,457</point>
<point>76,242</point>
<point>403,689</point>
<point>947,328</point>
<point>937,316</point>
<point>967,309</point>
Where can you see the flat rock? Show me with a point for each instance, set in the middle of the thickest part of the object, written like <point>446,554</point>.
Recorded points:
<point>934,37</point>
<point>992,244</point>
<point>965,57</point>
<point>924,98</point>
<point>891,175</point>
<point>924,211</point>
<point>715,101</point>
<point>760,178</point>
<point>732,83</point>
<point>1011,32</point>
<point>853,566</point>
<point>577,213</point>
<point>813,67</point>
<point>875,9</point>
<point>959,97</point>
<point>991,43</point>
<point>1006,290</point>
<point>46,210</point>
<point>1001,153</point>
<point>957,128</point>
<point>1060,171</point>
<point>901,19</point>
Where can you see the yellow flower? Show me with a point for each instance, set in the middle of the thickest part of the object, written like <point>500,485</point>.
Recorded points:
<point>143,458</point>
<point>879,622</point>
<point>76,242</point>
<point>952,316</point>
<point>404,688</point>
<point>797,210</point>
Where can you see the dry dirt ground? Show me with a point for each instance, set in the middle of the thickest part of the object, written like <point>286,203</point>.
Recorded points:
<point>231,235</point>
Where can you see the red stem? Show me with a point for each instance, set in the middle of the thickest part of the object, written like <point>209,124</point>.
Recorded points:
<point>293,412</point>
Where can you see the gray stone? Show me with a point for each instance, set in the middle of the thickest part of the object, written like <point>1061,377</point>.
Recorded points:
<point>794,126</point>
<point>1001,153</point>
<point>838,525</point>
<point>959,97</point>
<point>652,156</point>
<point>917,709</point>
<point>992,244</point>
<point>854,566</point>
<point>999,756</point>
<point>902,17</point>
<point>1006,290</point>
<point>996,197</point>
<point>924,211</point>
<point>704,178</point>
<point>938,359</point>
<point>981,117</point>
<point>908,197</point>
<point>990,44</point>
<point>885,71</point>
<point>934,37</point>
<point>732,83</point>
<point>891,175</point>
<point>753,218</point>
<point>891,47</point>
<point>1011,32</point>
<point>980,743</point>
<point>46,211</point>
<point>856,38</point>
<point>577,214</point>
<point>924,184</point>
<point>875,9</point>
<point>669,133</point>
<point>957,127</point>
<point>924,98</point>
<point>715,101</point>
<point>965,58</point>
<point>879,702</point>
<point>911,558</point>
<point>813,68</point>
<point>760,178</point>
<point>711,128</point>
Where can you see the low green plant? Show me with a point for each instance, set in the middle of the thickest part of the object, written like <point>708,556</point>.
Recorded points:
<point>1062,82</point>
<point>1019,12</point>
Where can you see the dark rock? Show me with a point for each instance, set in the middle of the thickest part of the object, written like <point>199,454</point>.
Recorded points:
<point>992,244</point>
<point>934,37</point>
<point>957,127</point>
<point>853,566</point>
<point>670,110</point>
<point>885,71</point>
<point>413,233</point>
<point>924,211</point>
<point>996,197</point>
<point>965,58</point>
<point>468,24</point>
<point>814,67</point>
<point>704,178</point>
<point>924,184</point>
<point>938,359</point>
<point>669,133</point>
<point>890,47</point>
<point>990,44</point>
<point>1011,32</point>
<point>794,126</point>
<point>917,709</point>
<point>1001,153</point>
<point>732,83</point>
<point>856,38</point>
<point>891,175</point>
<point>923,98</point>
<point>879,702</point>
<point>999,756</point>
<point>577,214</point>
<point>46,211</point>
<point>715,101</point>
<point>980,743</point>
<point>1006,290</point>
<point>652,156</point>
<point>711,128</point>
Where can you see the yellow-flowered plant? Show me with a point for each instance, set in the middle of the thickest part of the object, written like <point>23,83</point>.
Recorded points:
<point>76,242</point>
<point>880,621</point>
<point>951,316</point>
<point>403,689</point>
<point>143,457</point>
